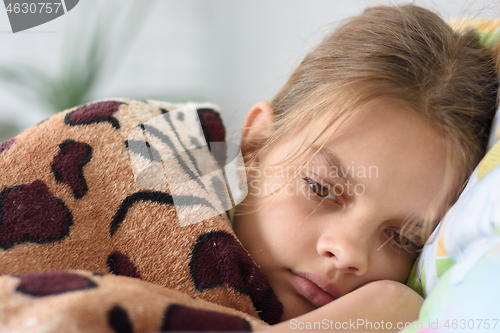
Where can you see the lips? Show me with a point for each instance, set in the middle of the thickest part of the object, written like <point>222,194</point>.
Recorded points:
<point>314,288</point>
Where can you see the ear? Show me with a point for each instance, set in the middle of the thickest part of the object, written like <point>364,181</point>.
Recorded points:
<point>259,124</point>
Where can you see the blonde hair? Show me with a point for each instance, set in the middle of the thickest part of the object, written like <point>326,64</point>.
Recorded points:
<point>406,53</point>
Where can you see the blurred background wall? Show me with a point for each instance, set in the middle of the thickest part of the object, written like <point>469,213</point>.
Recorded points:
<point>232,53</point>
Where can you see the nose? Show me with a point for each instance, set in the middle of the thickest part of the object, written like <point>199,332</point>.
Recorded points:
<point>347,252</point>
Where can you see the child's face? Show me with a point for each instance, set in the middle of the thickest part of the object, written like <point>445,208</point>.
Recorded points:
<point>335,227</point>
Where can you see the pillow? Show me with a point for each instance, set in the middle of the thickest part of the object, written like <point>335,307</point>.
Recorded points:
<point>458,268</point>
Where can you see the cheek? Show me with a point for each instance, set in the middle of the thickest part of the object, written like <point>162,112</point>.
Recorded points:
<point>395,267</point>
<point>282,221</point>
<point>291,226</point>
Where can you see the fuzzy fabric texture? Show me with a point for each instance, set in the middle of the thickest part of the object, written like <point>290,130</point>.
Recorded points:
<point>84,198</point>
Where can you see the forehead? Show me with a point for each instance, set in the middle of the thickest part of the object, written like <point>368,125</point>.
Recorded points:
<point>407,152</point>
<point>389,150</point>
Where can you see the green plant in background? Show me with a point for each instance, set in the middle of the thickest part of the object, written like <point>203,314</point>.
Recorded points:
<point>87,56</point>
<point>8,130</point>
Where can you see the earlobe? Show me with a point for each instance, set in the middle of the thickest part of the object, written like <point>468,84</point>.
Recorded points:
<point>259,124</point>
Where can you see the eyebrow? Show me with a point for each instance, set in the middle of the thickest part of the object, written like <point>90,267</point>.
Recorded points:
<point>334,161</point>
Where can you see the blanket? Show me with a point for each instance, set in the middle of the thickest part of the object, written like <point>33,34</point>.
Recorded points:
<point>113,218</point>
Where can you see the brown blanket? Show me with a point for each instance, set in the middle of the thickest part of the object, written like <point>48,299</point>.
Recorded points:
<point>118,187</point>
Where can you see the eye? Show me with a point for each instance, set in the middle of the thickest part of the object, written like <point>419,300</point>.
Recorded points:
<point>404,243</point>
<point>322,191</point>
<point>318,189</point>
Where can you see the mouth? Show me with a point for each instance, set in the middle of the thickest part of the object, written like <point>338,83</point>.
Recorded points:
<point>314,288</point>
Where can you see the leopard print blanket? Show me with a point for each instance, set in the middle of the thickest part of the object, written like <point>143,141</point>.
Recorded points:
<point>108,223</point>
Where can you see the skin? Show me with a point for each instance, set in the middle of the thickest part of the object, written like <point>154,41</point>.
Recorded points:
<point>330,253</point>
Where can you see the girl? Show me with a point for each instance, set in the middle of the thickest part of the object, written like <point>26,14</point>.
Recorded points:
<point>350,167</point>
<point>357,158</point>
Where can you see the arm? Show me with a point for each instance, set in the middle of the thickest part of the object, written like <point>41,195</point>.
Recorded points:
<point>378,301</point>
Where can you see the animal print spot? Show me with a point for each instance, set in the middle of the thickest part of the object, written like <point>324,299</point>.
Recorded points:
<point>120,264</point>
<point>194,141</point>
<point>52,283</point>
<point>212,125</point>
<point>214,131</point>
<point>217,258</point>
<point>181,318</point>
<point>30,213</point>
<point>6,144</point>
<point>119,321</point>
<point>94,113</point>
<point>68,166</point>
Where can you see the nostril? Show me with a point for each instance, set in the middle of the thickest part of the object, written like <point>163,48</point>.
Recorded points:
<point>329,254</point>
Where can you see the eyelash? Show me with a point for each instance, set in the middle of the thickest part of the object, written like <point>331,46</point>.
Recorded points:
<point>403,243</point>
<point>311,184</point>
<point>398,241</point>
